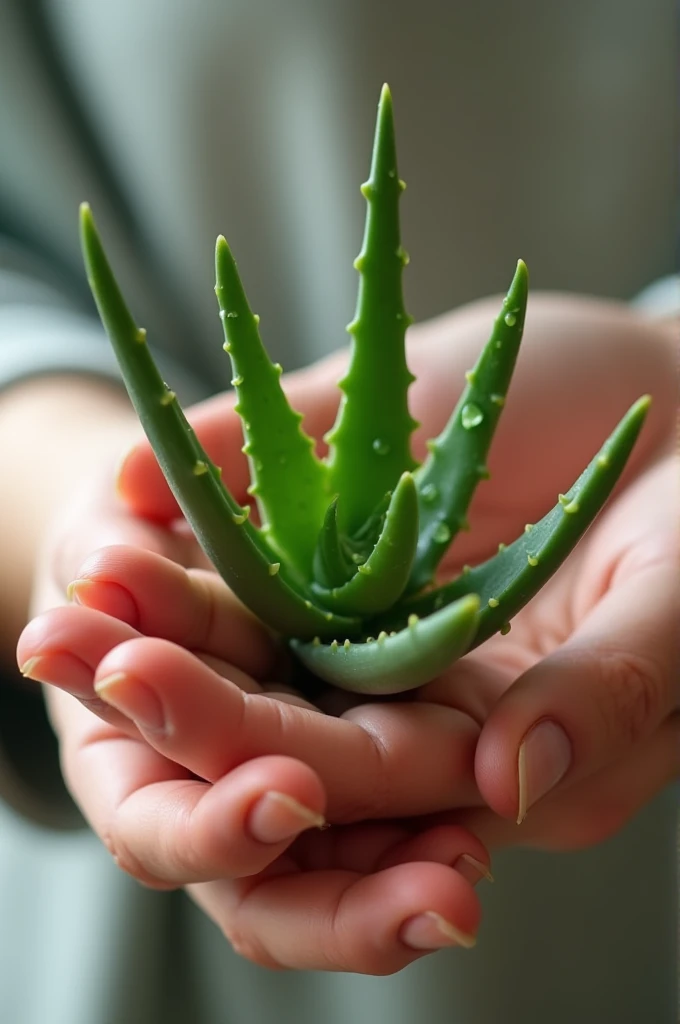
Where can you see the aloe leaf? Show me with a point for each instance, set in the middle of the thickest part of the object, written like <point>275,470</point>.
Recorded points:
<point>236,548</point>
<point>288,481</point>
<point>457,461</point>
<point>370,441</point>
<point>398,662</point>
<point>382,578</point>
<point>361,543</point>
<point>332,564</point>
<point>508,580</point>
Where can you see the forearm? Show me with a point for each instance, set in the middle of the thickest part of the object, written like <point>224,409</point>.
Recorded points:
<point>54,431</point>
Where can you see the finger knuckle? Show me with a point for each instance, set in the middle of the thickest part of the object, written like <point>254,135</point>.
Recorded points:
<point>596,826</point>
<point>343,950</point>
<point>577,824</point>
<point>127,861</point>
<point>632,693</point>
<point>371,791</point>
<point>249,947</point>
<point>369,800</point>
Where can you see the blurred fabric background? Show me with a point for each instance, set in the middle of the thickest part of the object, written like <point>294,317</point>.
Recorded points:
<point>537,129</point>
<point>540,129</point>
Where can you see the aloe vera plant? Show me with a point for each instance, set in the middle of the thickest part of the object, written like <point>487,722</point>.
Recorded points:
<point>343,562</point>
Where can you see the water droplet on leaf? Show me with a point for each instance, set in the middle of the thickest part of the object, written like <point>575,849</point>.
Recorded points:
<point>442,534</point>
<point>381,447</point>
<point>429,494</point>
<point>471,416</point>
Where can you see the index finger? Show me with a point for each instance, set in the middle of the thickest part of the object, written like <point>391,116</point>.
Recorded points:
<point>392,759</point>
<point>381,760</point>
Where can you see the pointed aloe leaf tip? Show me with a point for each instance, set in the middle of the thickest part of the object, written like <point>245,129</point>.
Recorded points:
<point>370,442</point>
<point>225,266</point>
<point>519,287</point>
<point>457,461</point>
<point>384,158</point>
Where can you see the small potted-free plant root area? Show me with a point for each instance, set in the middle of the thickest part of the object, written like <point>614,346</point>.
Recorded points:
<point>343,562</point>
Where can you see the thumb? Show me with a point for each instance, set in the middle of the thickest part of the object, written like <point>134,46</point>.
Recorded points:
<point>592,701</point>
<point>313,392</point>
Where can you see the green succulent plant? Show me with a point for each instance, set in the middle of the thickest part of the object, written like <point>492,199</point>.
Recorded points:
<point>343,562</point>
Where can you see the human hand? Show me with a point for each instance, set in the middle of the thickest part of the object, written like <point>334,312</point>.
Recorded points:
<point>189,779</point>
<point>589,731</point>
<point>147,493</point>
<point>619,775</point>
<point>146,806</point>
<point>587,633</point>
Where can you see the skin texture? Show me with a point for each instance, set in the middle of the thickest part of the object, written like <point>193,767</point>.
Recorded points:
<point>596,653</point>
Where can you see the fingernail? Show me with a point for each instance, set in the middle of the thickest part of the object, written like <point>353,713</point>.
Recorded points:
<point>112,598</point>
<point>31,670</point>
<point>60,669</point>
<point>432,931</point>
<point>118,474</point>
<point>544,758</point>
<point>75,589</point>
<point>136,700</point>
<point>471,869</point>
<point>277,816</point>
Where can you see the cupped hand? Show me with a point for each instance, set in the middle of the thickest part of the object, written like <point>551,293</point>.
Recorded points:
<point>184,773</point>
<point>589,731</point>
<point>570,348</point>
<point>593,660</point>
<point>168,654</point>
<point>367,898</point>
